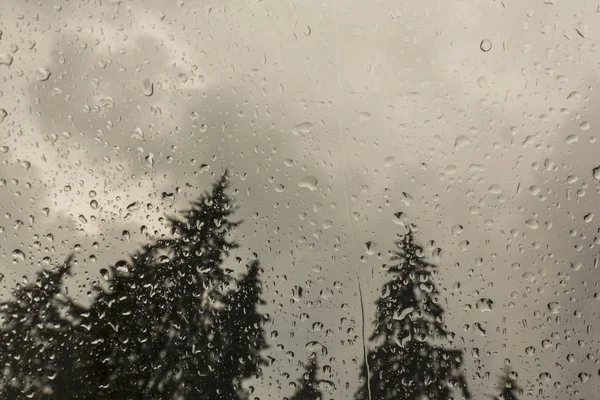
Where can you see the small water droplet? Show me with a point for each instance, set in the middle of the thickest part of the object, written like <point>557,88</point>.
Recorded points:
<point>134,206</point>
<point>105,274</point>
<point>584,126</point>
<point>485,45</point>
<point>147,87</point>
<point>94,204</point>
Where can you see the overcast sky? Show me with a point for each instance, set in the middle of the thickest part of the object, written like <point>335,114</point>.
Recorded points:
<point>333,116</point>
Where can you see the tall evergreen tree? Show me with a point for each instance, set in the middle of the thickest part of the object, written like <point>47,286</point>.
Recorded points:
<point>35,337</point>
<point>407,363</point>
<point>245,335</point>
<point>308,385</point>
<point>158,330</point>
<point>508,387</point>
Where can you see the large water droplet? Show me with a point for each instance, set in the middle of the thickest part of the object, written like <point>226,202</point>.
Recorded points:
<point>308,182</point>
<point>302,128</point>
<point>18,255</point>
<point>596,172</point>
<point>42,74</point>
<point>485,305</point>
<point>6,59</point>
<point>554,307</point>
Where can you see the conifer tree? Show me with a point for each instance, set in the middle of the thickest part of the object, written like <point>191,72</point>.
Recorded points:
<point>35,337</point>
<point>508,387</point>
<point>308,385</point>
<point>407,362</point>
<point>245,335</point>
<point>156,330</point>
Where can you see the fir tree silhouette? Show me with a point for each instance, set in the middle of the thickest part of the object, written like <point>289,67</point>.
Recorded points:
<point>406,363</point>
<point>508,387</point>
<point>36,343</point>
<point>243,325</point>
<point>308,385</point>
<point>168,327</point>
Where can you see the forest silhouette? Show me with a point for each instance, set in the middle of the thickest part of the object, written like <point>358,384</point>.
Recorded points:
<point>174,323</point>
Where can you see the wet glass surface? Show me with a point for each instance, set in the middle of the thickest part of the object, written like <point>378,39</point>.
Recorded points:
<point>298,200</point>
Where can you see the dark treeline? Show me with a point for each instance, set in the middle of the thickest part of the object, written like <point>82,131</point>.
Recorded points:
<point>174,323</point>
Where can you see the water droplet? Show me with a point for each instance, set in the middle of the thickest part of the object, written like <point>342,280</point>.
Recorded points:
<point>18,255</point>
<point>137,133</point>
<point>297,293</point>
<point>554,307</point>
<point>389,161</point>
<point>308,182</point>
<point>94,204</point>
<point>574,95</point>
<point>302,128</point>
<point>495,189</point>
<point>105,274</point>
<point>545,377</point>
<point>3,114</point>
<point>150,160</point>
<point>134,206</point>
<point>532,223</point>
<point>596,172</point>
<point>485,45</point>
<point>42,74</point>
<point>571,139</point>
<point>461,142</point>
<point>147,87</point>
<point>457,230</point>
<point>6,59</point>
<point>484,305</point>
<point>584,126</point>
<point>530,350</point>
<point>364,116</point>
